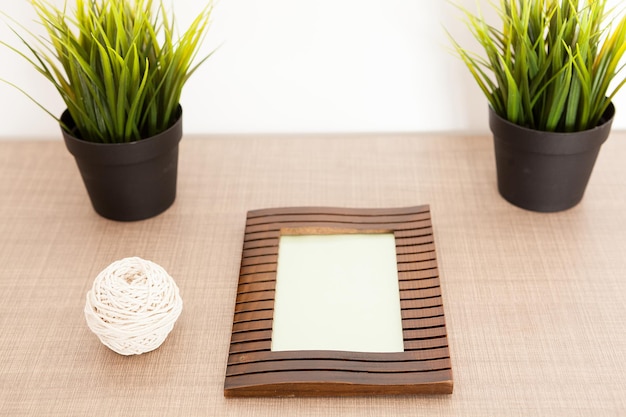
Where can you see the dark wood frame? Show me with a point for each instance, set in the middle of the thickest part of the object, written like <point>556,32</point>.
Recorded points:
<point>424,367</point>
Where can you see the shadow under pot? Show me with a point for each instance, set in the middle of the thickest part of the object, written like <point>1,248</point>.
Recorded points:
<point>545,171</point>
<point>128,181</point>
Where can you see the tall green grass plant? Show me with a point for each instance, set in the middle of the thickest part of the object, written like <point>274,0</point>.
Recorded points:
<point>553,65</point>
<point>118,65</point>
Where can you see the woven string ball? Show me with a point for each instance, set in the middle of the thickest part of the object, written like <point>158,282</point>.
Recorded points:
<point>133,306</point>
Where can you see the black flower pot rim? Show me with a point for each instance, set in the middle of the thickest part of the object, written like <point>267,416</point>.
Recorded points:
<point>551,143</point>
<point>125,153</point>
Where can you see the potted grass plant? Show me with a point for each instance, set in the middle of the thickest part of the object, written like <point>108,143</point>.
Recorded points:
<point>120,68</point>
<point>550,73</point>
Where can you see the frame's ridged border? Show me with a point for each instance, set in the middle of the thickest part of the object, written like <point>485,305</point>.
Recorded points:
<point>424,367</point>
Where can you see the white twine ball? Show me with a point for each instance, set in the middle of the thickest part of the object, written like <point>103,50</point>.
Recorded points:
<point>133,306</point>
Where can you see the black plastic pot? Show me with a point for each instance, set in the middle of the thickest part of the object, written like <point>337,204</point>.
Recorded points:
<point>128,181</point>
<point>545,171</point>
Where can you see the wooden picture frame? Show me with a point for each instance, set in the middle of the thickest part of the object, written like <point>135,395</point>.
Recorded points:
<point>254,370</point>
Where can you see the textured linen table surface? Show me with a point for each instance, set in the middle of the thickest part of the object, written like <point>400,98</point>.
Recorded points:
<point>535,304</point>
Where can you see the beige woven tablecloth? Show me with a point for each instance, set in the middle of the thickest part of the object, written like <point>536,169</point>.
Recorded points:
<point>535,303</point>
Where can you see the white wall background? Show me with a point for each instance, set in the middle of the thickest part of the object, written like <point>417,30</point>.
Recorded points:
<point>301,66</point>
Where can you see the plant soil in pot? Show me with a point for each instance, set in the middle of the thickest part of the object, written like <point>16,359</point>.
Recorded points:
<point>545,171</point>
<point>128,181</point>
